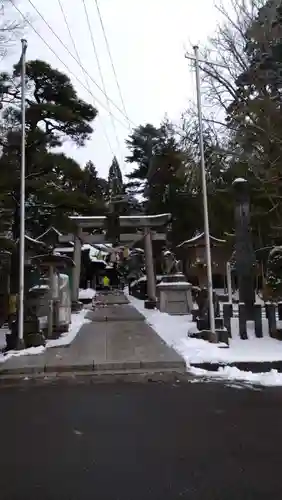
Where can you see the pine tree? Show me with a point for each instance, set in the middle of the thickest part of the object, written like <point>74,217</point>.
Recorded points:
<point>54,114</point>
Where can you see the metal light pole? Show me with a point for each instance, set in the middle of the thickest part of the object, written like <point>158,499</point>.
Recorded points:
<point>204,189</point>
<point>22,199</point>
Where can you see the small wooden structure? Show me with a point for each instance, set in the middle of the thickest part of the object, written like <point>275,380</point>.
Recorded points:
<point>193,255</point>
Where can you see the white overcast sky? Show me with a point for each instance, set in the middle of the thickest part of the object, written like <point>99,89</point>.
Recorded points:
<point>147,40</point>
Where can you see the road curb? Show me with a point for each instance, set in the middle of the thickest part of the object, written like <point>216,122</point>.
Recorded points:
<point>137,376</point>
<point>110,369</point>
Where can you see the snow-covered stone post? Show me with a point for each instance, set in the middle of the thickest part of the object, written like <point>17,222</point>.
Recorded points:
<point>227,315</point>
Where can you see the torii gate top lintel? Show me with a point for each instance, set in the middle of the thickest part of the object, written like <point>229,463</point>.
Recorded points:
<point>139,221</point>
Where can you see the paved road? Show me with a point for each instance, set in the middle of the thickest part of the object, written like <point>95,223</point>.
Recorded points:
<point>155,441</point>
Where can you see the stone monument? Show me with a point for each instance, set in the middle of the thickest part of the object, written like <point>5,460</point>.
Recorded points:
<point>175,296</point>
<point>245,256</point>
<point>245,260</point>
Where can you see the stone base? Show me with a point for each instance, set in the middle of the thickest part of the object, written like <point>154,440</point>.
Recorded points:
<point>57,330</point>
<point>173,278</point>
<point>223,297</point>
<point>278,334</point>
<point>13,342</point>
<point>76,306</point>
<point>19,344</point>
<point>213,337</point>
<point>220,336</point>
<point>150,304</point>
<point>195,315</point>
<point>34,340</point>
<point>223,336</point>
<point>202,324</point>
<point>175,297</point>
<point>54,335</point>
<point>62,328</point>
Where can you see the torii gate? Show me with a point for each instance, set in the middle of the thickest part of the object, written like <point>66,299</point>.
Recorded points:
<point>145,227</point>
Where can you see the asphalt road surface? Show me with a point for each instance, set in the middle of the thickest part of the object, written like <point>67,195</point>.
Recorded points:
<point>154,441</point>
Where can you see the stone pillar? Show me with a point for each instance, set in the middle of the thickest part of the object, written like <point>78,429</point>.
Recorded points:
<point>229,281</point>
<point>76,269</point>
<point>51,302</point>
<point>271,317</point>
<point>245,257</point>
<point>150,272</point>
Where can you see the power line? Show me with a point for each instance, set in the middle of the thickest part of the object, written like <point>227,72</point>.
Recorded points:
<point>101,73</point>
<point>83,72</point>
<point>69,52</point>
<point>72,40</point>
<point>64,64</point>
<point>111,59</point>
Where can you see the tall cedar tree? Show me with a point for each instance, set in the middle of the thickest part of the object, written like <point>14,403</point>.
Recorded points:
<point>162,174</point>
<point>96,189</point>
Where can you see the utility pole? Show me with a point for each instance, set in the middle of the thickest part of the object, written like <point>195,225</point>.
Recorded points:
<point>204,190</point>
<point>150,303</point>
<point>22,201</point>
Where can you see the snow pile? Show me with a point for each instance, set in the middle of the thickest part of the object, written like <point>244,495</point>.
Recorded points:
<point>271,378</point>
<point>87,293</point>
<point>174,329</point>
<point>78,319</point>
<point>3,332</point>
<point>252,350</point>
<point>24,352</point>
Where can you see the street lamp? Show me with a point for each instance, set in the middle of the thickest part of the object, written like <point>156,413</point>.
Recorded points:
<point>196,59</point>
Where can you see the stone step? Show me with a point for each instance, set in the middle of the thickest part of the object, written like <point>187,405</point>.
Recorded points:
<point>118,312</point>
<point>111,298</point>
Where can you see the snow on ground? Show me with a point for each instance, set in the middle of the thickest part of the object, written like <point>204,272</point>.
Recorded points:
<point>23,352</point>
<point>87,293</point>
<point>77,320</point>
<point>271,378</point>
<point>174,329</point>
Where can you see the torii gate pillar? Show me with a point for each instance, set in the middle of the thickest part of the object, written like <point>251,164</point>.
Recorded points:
<point>149,263</point>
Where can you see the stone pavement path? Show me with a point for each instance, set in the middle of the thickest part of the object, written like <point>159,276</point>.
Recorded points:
<point>117,340</point>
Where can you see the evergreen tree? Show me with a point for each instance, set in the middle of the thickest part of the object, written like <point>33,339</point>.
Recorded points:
<point>255,116</point>
<point>54,114</point>
<point>162,174</point>
<point>95,188</point>
<point>115,182</point>
<point>247,90</point>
